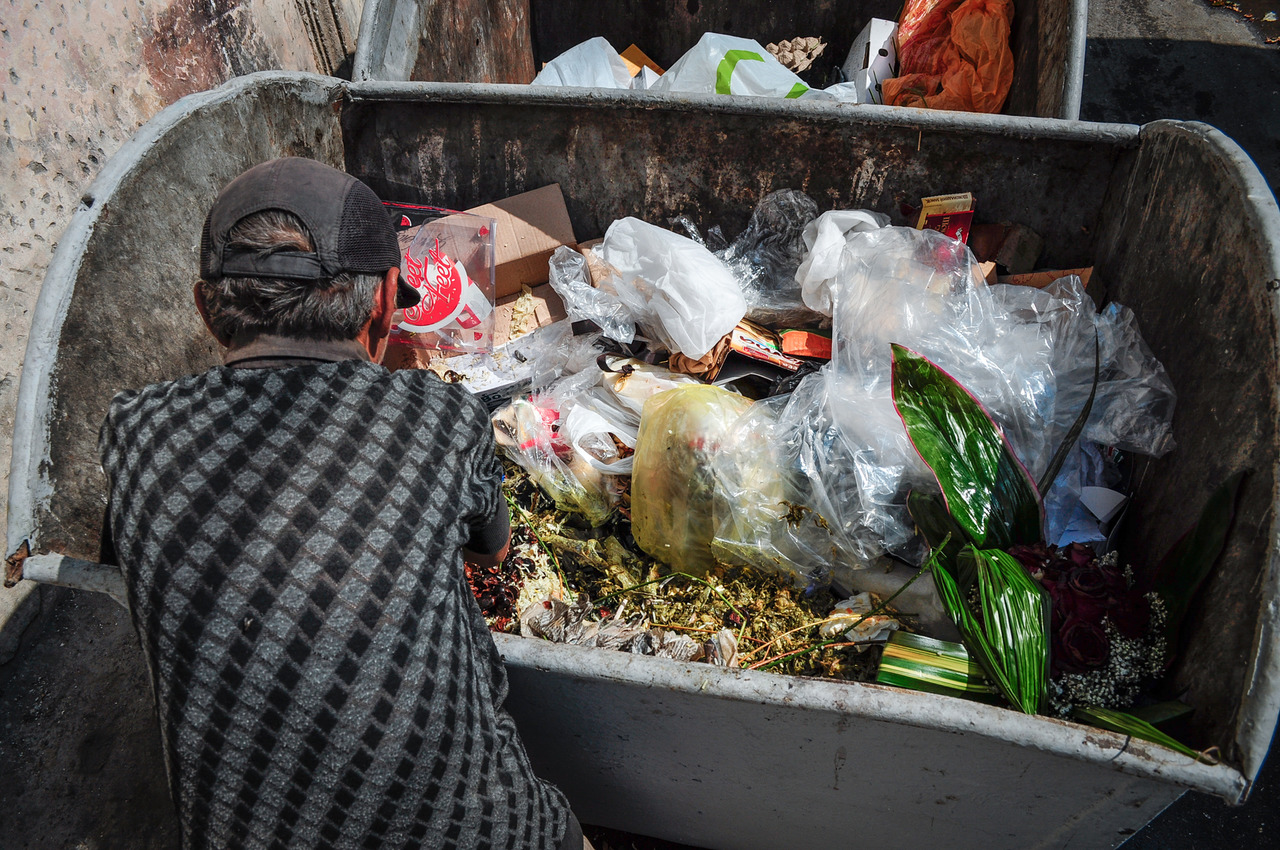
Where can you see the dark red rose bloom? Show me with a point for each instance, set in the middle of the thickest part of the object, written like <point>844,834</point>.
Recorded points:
<point>1079,554</point>
<point>1089,580</point>
<point>1132,616</point>
<point>1033,558</point>
<point>1084,644</point>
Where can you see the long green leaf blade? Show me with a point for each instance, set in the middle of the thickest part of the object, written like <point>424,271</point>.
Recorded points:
<point>1127,724</point>
<point>987,490</point>
<point>1010,640</point>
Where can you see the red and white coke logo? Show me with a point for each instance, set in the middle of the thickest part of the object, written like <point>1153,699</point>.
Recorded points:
<point>440,281</point>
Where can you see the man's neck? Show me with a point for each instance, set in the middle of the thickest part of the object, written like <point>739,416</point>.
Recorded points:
<point>251,351</point>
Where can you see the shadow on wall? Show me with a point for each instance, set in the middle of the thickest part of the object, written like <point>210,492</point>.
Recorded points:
<point>1234,88</point>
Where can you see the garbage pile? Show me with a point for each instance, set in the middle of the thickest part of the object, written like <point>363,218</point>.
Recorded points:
<point>831,446</point>
<point>942,54</point>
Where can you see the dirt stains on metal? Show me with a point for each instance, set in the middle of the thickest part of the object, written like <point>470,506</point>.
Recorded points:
<point>198,46</point>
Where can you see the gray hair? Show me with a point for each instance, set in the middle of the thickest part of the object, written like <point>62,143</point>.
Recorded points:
<point>331,309</point>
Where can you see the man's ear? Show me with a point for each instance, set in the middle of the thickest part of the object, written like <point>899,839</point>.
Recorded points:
<point>384,304</point>
<point>203,307</point>
<point>384,308</point>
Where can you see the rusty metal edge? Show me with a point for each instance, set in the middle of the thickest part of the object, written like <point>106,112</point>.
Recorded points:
<point>881,704</point>
<point>930,120</point>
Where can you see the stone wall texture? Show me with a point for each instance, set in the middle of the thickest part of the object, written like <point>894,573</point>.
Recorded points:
<point>77,79</point>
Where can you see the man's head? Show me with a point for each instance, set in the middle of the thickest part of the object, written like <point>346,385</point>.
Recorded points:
<point>295,248</point>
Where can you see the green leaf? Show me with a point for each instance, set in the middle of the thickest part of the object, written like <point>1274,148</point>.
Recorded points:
<point>1010,639</point>
<point>1127,724</point>
<point>936,666</point>
<point>987,490</point>
<point>1069,440</point>
<point>940,531</point>
<point>1187,564</point>
<point>1162,712</point>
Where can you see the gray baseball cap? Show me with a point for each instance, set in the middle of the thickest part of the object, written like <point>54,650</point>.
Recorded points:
<point>349,227</point>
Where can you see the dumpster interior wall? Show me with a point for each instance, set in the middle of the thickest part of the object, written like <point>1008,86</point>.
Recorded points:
<point>508,41</point>
<point>78,79</point>
<point>1209,315</point>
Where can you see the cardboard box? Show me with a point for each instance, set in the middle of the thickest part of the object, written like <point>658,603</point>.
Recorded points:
<point>529,229</point>
<point>949,214</point>
<point>872,59</point>
<point>1042,279</point>
<point>517,315</point>
<point>636,59</point>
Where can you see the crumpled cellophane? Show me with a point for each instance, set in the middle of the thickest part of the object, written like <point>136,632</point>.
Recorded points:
<point>953,54</point>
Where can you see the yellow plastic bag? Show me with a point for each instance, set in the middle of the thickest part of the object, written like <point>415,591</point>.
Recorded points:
<point>674,510</point>
<point>953,54</point>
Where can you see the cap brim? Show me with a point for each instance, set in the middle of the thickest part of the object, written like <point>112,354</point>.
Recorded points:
<point>406,295</point>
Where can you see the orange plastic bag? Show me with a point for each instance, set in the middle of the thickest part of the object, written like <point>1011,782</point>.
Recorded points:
<point>953,54</point>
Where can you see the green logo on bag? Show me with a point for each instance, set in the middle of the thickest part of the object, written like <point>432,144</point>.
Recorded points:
<point>724,71</point>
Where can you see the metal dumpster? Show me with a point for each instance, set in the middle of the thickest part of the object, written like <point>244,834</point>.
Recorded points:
<point>1174,217</point>
<point>507,41</point>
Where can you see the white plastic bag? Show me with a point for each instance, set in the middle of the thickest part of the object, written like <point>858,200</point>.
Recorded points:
<point>681,292</point>
<point>726,64</point>
<point>592,64</point>
<point>825,238</point>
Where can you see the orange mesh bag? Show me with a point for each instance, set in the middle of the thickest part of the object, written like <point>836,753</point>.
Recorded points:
<point>953,54</point>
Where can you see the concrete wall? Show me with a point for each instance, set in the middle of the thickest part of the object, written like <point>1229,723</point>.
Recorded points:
<point>77,79</point>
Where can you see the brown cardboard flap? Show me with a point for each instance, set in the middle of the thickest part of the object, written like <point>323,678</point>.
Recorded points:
<point>529,228</point>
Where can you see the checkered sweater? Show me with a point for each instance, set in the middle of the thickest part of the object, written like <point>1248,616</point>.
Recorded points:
<point>322,673</point>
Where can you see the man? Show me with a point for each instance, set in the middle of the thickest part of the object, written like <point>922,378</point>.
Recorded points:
<point>292,527</point>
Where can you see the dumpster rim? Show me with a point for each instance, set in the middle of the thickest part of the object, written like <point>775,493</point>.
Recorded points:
<point>869,115</point>
<point>879,703</point>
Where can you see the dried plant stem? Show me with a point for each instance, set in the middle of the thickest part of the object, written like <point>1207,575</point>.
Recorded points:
<point>528,521</point>
<point>769,662</point>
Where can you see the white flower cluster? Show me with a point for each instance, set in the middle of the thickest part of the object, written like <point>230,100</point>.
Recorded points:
<point>1131,664</point>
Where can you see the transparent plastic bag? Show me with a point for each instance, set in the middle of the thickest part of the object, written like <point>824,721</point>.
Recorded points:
<point>767,254</point>
<point>726,64</point>
<point>592,64</point>
<point>571,280</point>
<point>527,432</point>
<point>674,497</point>
<point>679,291</point>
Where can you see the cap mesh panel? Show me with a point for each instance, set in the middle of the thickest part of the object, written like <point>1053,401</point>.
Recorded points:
<point>366,240</point>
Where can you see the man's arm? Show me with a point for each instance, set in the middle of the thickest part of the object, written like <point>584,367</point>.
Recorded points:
<point>490,541</point>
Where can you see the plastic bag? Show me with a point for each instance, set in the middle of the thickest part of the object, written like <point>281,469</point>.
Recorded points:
<point>631,383</point>
<point>450,262</point>
<point>953,54</point>
<point>824,239</point>
<point>526,431</point>
<point>767,254</point>
<point>677,289</point>
<point>726,64</point>
<point>571,280</point>
<point>674,508</point>
<point>592,64</point>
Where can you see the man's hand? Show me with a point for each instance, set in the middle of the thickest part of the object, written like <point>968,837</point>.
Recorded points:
<point>480,559</point>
